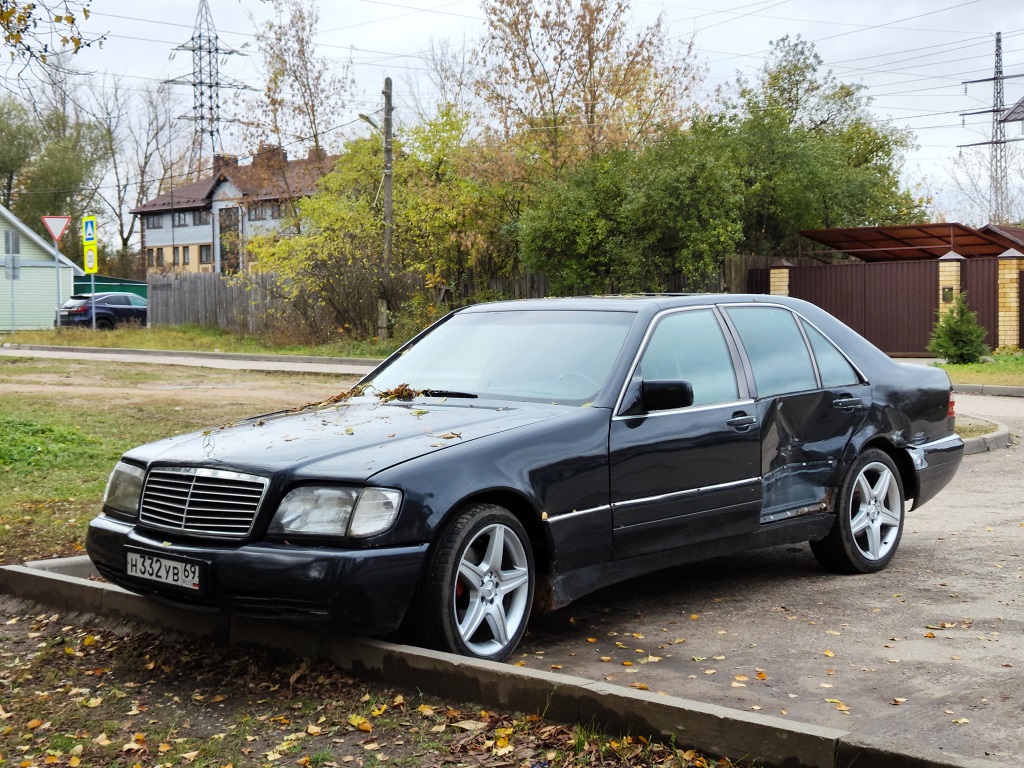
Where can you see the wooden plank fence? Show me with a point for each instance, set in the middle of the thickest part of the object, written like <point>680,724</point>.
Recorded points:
<point>240,304</point>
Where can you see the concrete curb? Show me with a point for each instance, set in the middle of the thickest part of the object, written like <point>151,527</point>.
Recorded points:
<point>772,741</point>
<point>202,355</point>
<point>996,390</point>
<point>993,441</point>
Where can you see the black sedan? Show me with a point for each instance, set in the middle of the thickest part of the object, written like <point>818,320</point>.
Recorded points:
<point>518,455</point>
<point>112,308</point>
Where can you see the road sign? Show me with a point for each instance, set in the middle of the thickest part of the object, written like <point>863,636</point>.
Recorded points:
<point>88,229</point>
<point>56,226</point>
<point>90,260</point>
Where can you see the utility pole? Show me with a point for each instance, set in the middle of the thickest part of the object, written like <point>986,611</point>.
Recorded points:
<point>998,164</point>
<point>389,202</point>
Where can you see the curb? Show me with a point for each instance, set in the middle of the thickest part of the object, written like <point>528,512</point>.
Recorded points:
<point>202,355</point>
<point>993,441</point>
<point>996,390</point>
<point>772,741</point>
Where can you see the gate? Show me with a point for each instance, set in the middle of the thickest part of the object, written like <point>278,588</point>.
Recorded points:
<point>980,279</point>
<point>892,304</point>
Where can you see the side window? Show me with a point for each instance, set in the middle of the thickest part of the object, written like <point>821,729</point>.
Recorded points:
<point>835,369</point>
<point>690,345</point>
<point>137,301</point>
<point>776,349</point>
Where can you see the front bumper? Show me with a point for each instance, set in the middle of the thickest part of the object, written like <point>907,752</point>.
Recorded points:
<point>354,591</point>
<point>935,464</point>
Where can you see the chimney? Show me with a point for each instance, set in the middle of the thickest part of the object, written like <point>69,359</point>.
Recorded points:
<point>270,156</point>
<point>220,162</point>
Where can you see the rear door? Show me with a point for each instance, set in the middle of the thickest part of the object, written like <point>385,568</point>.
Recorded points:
<point>809,401</point>
<point>691,475</point>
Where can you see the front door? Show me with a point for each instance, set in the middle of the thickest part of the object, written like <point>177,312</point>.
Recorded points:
<point>687,476</point>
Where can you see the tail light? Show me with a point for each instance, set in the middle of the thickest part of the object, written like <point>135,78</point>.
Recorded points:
<point>952,406</point>
<point>78,310</point>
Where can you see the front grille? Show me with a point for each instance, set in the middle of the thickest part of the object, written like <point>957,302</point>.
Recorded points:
<point>202,502</point>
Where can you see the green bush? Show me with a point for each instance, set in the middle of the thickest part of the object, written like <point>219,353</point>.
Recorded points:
<point>957,336</point>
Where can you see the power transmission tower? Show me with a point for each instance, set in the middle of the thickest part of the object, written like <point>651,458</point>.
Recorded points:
<point>998,165</point>
<point>206,82</point>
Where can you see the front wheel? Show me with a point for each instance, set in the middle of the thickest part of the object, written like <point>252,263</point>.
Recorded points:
<point>479,589</point>
<point>869,517</point>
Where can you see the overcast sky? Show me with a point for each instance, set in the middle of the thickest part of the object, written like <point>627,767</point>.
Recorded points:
<point>911,55</point>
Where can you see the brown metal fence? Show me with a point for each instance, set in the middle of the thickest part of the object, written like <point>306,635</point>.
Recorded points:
<point>893,305</point>
<point>980,279</point>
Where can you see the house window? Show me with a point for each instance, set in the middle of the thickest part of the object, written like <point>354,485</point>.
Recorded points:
<point>257,213</point>
<point>278,211</point>
<point>154,220</point>
<point>174,258</point>
<point>159,257</point>
<point>200,217</point>
<point>149,257</point>
<point>205,254</point>
<point>184,255</point>
<point>180,218</point>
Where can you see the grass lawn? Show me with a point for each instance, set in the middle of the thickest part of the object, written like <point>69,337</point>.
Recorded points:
<point>102,694</point>
<point>193,338</point>
<point>1006,371</point>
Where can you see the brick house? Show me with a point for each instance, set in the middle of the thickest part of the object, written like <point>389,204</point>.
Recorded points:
<point>203,226</point>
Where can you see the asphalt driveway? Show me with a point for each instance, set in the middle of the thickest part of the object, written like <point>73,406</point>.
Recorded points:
<point>928,651</point>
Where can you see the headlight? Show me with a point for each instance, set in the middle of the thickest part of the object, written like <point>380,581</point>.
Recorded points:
<point>124,489</point>
<point>330,511</point>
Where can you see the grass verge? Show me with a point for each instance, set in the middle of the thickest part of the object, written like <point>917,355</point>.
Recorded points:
<point>1004,371</point>
<point>194,338</point>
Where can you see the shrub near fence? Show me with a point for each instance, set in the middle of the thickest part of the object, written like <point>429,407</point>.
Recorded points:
<point>234,303</point>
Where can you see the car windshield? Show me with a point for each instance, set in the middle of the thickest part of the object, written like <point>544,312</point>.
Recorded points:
<point>561,356</point>
<point>76,301</point>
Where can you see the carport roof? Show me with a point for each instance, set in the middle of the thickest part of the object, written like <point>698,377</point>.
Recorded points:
<point>919,242</point>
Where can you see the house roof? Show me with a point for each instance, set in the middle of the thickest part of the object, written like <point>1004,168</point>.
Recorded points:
<point>919,242</point>
<point>270,176</point>
<point>22,227</point>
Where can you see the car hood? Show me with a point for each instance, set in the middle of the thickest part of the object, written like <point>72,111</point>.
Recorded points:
<point>351,441</point>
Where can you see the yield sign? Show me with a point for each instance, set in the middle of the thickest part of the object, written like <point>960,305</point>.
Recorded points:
<point>56,225</point>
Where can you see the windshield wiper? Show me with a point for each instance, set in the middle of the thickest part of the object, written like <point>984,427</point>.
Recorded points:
<point>447,393</point>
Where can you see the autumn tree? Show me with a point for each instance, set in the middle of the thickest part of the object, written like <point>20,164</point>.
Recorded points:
<point>34,31</point>
<point>17,145</point>
<point>304,97</point>
<point>143,145</point>
<point>566,78</point>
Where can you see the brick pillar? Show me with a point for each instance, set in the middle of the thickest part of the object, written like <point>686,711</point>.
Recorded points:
<point>949,280</point>
<point>1010,264</point>
<point>778,278</point>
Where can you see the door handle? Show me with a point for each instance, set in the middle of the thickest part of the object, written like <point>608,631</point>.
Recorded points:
<point>741,421</point>
<point>847,403</point>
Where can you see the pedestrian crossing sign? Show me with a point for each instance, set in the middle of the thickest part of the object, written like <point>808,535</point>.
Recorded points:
<point>89,229</point>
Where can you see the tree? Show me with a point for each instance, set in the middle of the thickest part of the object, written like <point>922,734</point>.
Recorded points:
<point>302,101</point>
<point>17,145</point>
<point>627,222</point>
<point>564,77</point>
<point>957,336</point>
<point>812,155</point>
<point>34,31</point>
<point>142,144</point>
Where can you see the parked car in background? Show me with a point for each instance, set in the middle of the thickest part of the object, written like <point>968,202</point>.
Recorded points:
<point>518,455</point>
<point>112,309</point>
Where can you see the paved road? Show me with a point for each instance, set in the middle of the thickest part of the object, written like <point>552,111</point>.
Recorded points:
<point>942,629</point>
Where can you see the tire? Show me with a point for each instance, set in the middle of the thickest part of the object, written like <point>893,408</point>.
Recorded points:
<point>478,590</point>
<point>103,324</point>
<point>869,517</point>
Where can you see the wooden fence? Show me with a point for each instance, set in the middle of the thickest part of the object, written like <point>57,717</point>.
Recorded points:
<point>234,303</point>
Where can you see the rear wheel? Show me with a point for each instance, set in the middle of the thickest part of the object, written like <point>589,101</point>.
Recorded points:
<point>479,590</point>
<point>104,324</point>
<point>869,517</point>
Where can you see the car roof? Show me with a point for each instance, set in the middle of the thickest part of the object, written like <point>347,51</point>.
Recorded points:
<point>632,302</point>
<point>101,294</point>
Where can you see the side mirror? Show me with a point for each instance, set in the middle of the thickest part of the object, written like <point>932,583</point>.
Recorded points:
<point>666,395</point>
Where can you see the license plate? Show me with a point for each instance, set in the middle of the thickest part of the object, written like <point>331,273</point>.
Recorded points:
<point>179,573</point>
